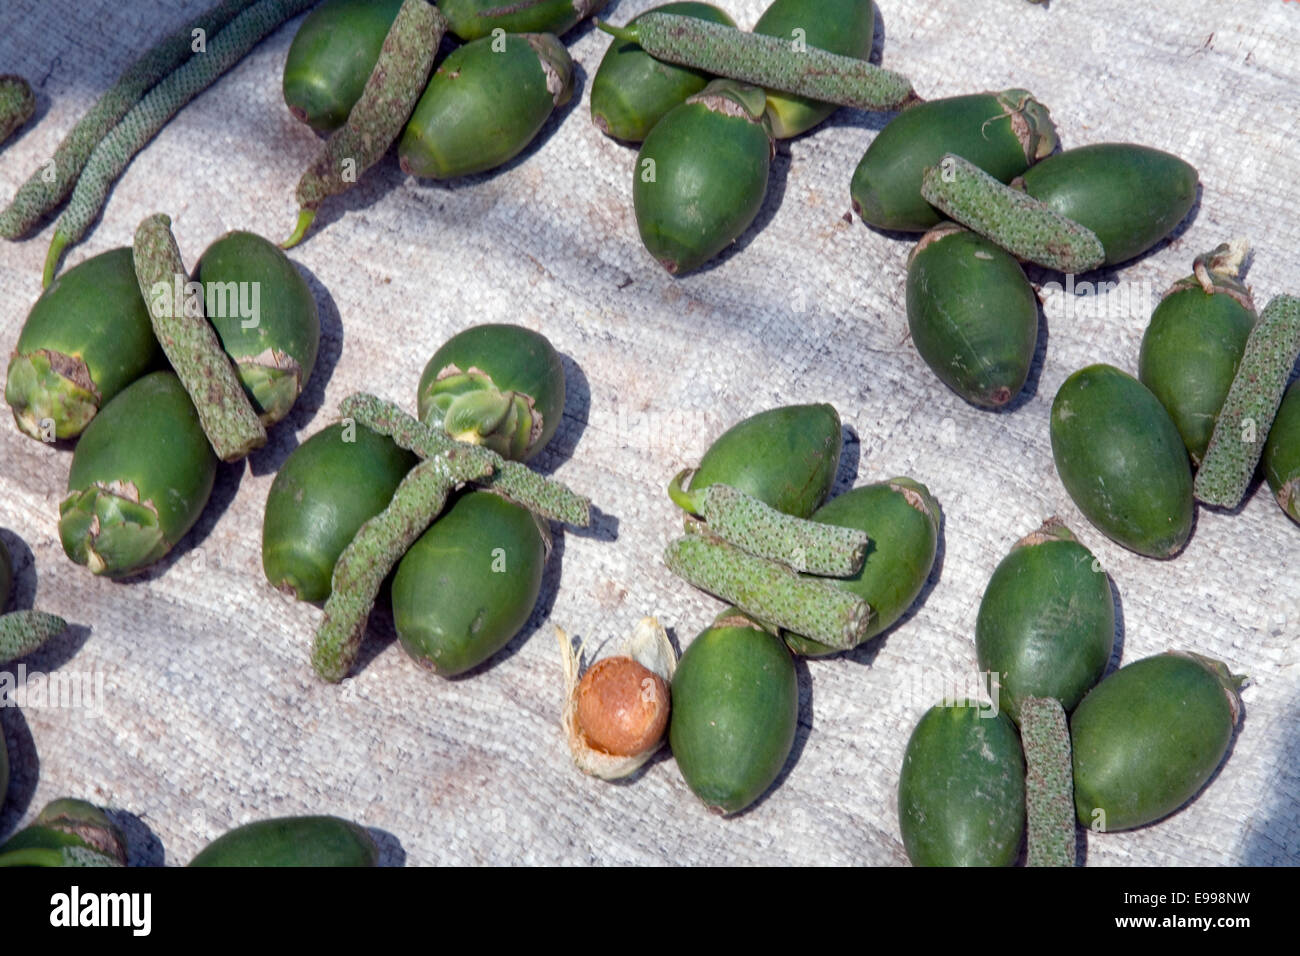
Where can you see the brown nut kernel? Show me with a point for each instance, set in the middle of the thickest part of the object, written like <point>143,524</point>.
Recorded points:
<point>622,707</point>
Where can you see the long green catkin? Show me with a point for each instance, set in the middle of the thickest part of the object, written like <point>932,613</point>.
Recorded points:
<point>377,118</point>
<point>1049,782</point>
<point>17,104</point>
<point>770,591</point>
<point>376,548</point>
<point>540,495</point>
<point>770,62</point>
<point>191,345</point>
<point>47,187</point>
<point>1022,225</point>
<point>1242,427</point>
<point>758,528</point>
<point>22,632</point>
<point>146,118</point>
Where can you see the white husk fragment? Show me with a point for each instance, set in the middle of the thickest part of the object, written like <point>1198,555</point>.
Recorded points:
<point>649,646</point>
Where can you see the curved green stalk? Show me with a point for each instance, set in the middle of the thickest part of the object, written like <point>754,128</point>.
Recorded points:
<point>518,482</point>
<point>770,592</point>
<point>147,117</point>
<point>758,528</point>
<point>1242,427</point>
<point>770,62</point>
<point>1024,226</point>
<point>377,547</point>
<point>191,345</point>
<point>47,187</point>
<point>22,632</point>
<point>377,118</point>
<point>1049,782</point>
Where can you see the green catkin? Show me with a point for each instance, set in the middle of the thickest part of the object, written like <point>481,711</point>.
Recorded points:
<point>389,96</point>
<point>377,547</point>
<point>47,187</point>
<point>159,105</point>
<point>540,495</point>
<point>191,345</point>
<point>758,528</point>
<point>1028,229</point>
<point>22,632</point>
<point>1242,427</point>
<point>770,62</point>
<point>17,104</point>
<point>770,592</point>
<point>1049,782</point>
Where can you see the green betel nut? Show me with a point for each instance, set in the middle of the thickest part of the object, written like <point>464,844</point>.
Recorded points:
<point>972,314</point>
<point>785,457</point>
<point>1122,460</point>
<point>292,841</point>
<point>846,27</point>
<point>1147,738</point>
<point>331,57</point>
<point>469,584</point>
<point>1130,196</point>
<point>632,91</point>
<point>330,486</point>
<point>1001,133</point>
<point>901,519</point>
<point>1194,344</point>
<point>496,385</point>
<point>701,175</point>
<point>1046,623</point>
<point>67,832</point>
<point>140,477</point>
<point>735,710</point>
<point>961,791</point>
<point>264,315</point>
<point>485,103</point>
<point>87,337</point>
<point>472,19</point>
<point>1281,460</point>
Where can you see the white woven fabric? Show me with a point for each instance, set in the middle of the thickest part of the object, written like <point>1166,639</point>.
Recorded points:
<point>210,713</point>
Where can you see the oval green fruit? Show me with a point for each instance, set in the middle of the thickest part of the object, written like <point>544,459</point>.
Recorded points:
<point>701,175</point>
<point>961,792</point>
<point>265,315</point>
<point>846,27</point>
<point>1046,624</point>
<point>1122,460</point>
<point>469,583</point>
<point>1281,459</point>
<point>786,457</point>
<point>140,477</point>
<point>330,486</point>
<point>1001,133</point>
<point>1130,196</point>
<point>735,711</point>
<point>292,841</point>
<point>87,337</point>
<point>1190,352</point>
<point>901,520</point>
<point>332,56</point>
<point>632,91</point>
<point>972,314</point>
<point>67,832</point>
<point>472,19</point>
<point>484,105</point>
<point>1147,738</point>
<point>496,385</point>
